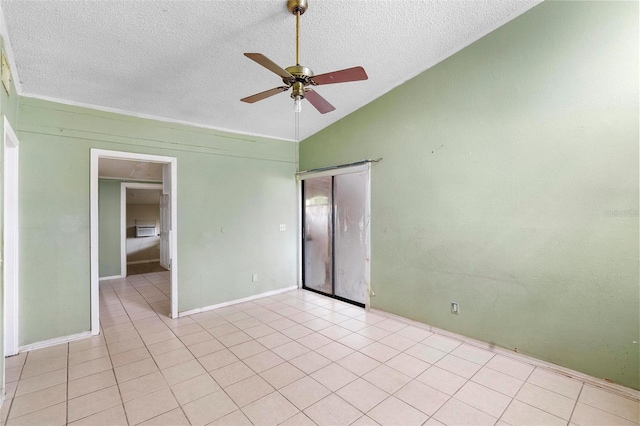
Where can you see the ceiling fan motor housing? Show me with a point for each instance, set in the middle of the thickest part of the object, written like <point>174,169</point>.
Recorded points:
<point>301,78</point>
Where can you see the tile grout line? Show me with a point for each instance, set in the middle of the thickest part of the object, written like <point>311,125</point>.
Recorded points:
<point>516,394</point>
<point>533,406</point>
<point>16,390</point>
<point>66,402</point>
<point>113,369</point>
<point>137,331</point>
<point>300,305</point>
<point>145,299</point>
<point>109,354</point>
<point>196,359</point>
<point>26,394</point>
<point>256,373</point>
<point>332,363</point>
<point>116,294</point>
<point>467,380</point>
<point>207,372</point>
<point>575,405</point>
<point>610,387</point>
<point>412,380</point>
<point>221,387</point>
<point>361,377</point>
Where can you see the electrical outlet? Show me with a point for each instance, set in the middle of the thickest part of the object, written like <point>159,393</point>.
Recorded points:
<point>455,309</point>
<point>283,227</point>
<point>254,277</point>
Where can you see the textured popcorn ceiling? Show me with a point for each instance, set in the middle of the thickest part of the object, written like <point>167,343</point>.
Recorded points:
<point>183,60</point>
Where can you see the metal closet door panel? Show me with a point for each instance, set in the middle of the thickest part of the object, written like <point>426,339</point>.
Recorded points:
<point>318,234</point>
<point>350,192</point>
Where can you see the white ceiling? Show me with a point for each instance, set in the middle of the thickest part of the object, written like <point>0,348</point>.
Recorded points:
<point>183,60</point>
<point>143,196</point>
<point>129,170</point>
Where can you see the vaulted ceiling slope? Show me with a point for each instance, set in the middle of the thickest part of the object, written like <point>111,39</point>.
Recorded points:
<point>183,60</point>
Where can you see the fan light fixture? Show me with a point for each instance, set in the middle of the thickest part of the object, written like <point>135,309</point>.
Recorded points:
<point>299,78</point>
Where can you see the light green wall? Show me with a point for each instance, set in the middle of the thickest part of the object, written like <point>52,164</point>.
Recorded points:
<point>502,165</point>
<point>109,214</point>
<point>233,192</point>
<point>8,107</point>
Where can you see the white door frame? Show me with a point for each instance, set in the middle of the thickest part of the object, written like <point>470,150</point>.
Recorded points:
<point>96,154</point>
<point>10,255</point>
<point>123,218</point>
<point>367,215</point>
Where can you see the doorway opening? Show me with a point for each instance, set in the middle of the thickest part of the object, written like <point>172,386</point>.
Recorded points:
<point>335,218</point>
<point>136,167</point>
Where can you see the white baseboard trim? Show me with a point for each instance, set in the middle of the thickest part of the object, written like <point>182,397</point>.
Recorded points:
<point>234,302</point>
<point>53,342</point>
<point>517,356</point>
<point>139,262</point>
<point>111,277</point>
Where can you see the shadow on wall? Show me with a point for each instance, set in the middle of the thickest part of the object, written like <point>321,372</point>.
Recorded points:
<point>143,248</point>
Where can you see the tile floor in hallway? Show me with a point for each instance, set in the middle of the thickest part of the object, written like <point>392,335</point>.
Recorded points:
<point>296,358</point>
<point>144,268</point>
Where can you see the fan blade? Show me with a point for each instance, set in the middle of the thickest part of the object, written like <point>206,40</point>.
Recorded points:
<point>263,95</point>
<point>318,102</point>
<point>342,76</point>
<point>268,64</point>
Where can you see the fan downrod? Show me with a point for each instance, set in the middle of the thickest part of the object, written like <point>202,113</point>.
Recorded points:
<point>297,6</point>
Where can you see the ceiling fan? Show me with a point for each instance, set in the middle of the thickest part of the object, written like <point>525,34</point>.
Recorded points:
<point>300,78</point>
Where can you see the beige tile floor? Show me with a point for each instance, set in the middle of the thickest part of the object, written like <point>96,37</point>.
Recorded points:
<point>292,359</point>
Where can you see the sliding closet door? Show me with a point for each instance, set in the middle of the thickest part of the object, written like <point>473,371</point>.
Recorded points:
<point>318,234</point>
<point>350,236</point>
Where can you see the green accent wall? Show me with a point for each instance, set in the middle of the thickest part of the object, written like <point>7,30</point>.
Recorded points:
<point>510,185</point>
<point>109,229</point>
<point>233,192</point>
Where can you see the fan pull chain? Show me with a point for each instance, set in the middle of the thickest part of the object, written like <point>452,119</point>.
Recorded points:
<point>297,124</point>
